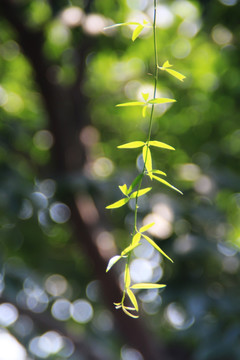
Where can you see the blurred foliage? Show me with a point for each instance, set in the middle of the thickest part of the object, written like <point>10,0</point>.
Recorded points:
<point>40,263</point>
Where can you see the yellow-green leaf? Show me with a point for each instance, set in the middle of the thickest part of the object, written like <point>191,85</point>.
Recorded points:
<point>127,279</point>
<point>129,248</point>
<point>147,158</point>
<point>160,145</point>
<point>176,74</point>
<point>156,247</point>
<point>147,286</point>
<point>159,172</point>
<point>123,189</point>
<point>144,111</point>
<point>128,313</point>
<point>136,238</point>
<point>132,145</point>
<point>161,101</point>
<point>166,183</point>
<point>135,182</point>
<point>145,96</point>
<point>146,227</point>
<point>132,103</point>
<point>113,261</point>
<point>145,22</point>
<point>121,24</point>
<point>137,32</point>
<point>140,193</point>
<point>118,204</point>
<point>133,299</point>
<point>166,64</point>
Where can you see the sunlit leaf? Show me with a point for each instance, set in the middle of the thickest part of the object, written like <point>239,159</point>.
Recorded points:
<point>118,204</point>
<point>147,158</point>
<point>166,183</point>
<point>129,248</point>
<point>145,96</point>
<point>136,238</point>
<point>113,261</point>
<point>147,286</point>
<point>123,189</point>
<point>127,279</point>
<point>145,22</point>
<point>146,227</point>
<point>159,172</point>
<point>166,64</point>
<point>160,145</point>
<point>156,247</point>
<point>137,32</point>
<point>132,103</point>
<point>121,24</point>
<point>132,145</point>
<point>161,101</point>
<point>135,182</point>
<point>144,111</point>
<point>176,74</point>
<point>133,299</point>
<point>128,313</point>
<point>140,193</point>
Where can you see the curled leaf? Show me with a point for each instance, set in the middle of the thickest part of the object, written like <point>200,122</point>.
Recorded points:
<point>133,299</point>
<point>128,313</point>
<point>118,204</point>
<point>137,32</point>
<point>145,96</point>
<point>113,261</point>
<point>123,189</point>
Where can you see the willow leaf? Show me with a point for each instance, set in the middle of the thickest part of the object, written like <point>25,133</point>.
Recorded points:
<point>159,172</point>
<point>161,101</point>
<point>118,204</point>
<point>144,111</point>
<point>127,279</point>
<point>147,158</point>
<point>136,238</point>
<point>128,313</point>
<point>176,74</point>
<point>129,248</point>
<point>133,299</point>
<point>156,247</point>
<point>147,286</point>
<point>121,24</point>
<point>146,227</point>
<point>135,182</point>
<point>166,183</point>
<point>137,32</point>
<point>140,193</point>
<point>145,96</point>
<point>113,261</point>
<point>160,145</point>
<point>132,145</point>
<point>123,189</point>
<point>132,103</point>
<point>165,65</point>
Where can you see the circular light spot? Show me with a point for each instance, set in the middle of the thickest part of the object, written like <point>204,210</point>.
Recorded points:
<point>228,2</point>
<point>14,103</point>
<point>43,140</point>
<point>166,19</point>
<point>104,321</point>
<point>8,314</point>
<point>103,167</point>
<point>141,270</point>
<point>93,24</point>
<point>39,200</point>
<point>61,309</point>
<point>48,187</point>
<point>50,342</point>
<point>72,16</point>
<point>81,311</point>
<point>162,228</point>
<point>93,290</point>
<point>11,349</point>
<point>26,210</point>
<point>128,353</point>
<point>221,35</point>
<point>137,4</point>
<point>56,285</point>
<point>204,185</point>
<point>181,48</point>
<point>3,96</point>
<point>189,172</point>
<point>59,212</point>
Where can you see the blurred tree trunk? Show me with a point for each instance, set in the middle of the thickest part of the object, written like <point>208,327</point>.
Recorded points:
<point>67,115</point>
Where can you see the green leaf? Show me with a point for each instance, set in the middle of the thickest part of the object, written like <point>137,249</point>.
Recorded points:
<point>135,182</point>
<point>127,279</point>
<point>160,145</point>
<point>129,248</point>
<point>159,172</point>
<point>124,189</point>
<point>146,227</point>
<point>147,158</point>
<point>145,96</point>
<point>176,74</point>
<point>137,32</point>
<point>113,261</point>
<point>128,313</point>
<point>166,183</point>
<point>144,111</point>
<point>132,103</point>
<point>147,286</point>
<point>132,145</point>
<point>140,193</point>
<point>161,101</point>
<point>133,299</point>
<point>156,247</point>
<point>136,238</point>
<point>118,204</point>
